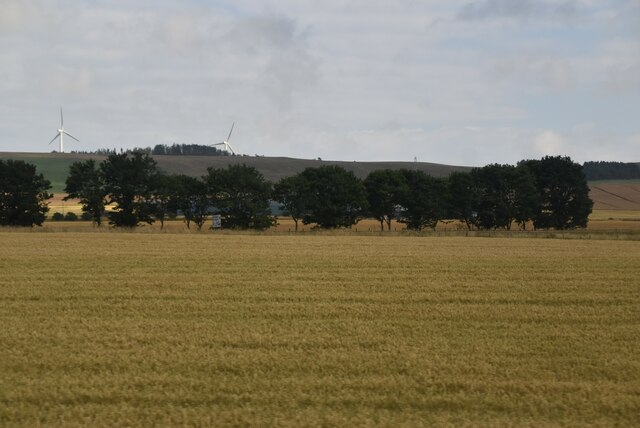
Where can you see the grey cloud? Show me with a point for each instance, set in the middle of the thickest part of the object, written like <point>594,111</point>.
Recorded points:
<point>519,9</point>
<point>280,51</point>
<point>548,73</point>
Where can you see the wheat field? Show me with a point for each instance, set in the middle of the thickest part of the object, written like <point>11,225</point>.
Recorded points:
<point>175,329</point>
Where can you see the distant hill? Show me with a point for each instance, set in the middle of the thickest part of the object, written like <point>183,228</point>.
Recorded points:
<point>607,195</point>
<point>55,166</point>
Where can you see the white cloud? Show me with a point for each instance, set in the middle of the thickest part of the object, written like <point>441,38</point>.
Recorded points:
<point>548,143</point>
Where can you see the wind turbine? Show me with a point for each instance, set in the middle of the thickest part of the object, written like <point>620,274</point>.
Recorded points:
<point>225,143</point>
<point>61,133</point>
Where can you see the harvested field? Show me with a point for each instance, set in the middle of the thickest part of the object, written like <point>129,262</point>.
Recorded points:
<point>616,195</point>
<point>131,329</point>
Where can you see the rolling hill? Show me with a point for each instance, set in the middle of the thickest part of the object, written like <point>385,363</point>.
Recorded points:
<point>55,166</point>
<point>607,195</point>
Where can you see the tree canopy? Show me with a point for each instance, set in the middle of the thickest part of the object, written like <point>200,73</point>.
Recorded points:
<point>551,192</point>
<point>563,193</point>
<point>334,197</point>
<point>191,199</point>
<point>241,194</point>
<point>385,189</point>
<point>23,194</point>
<point>85,183</point>
<point>292,192</point>
<point>128,180</point>
<point>602,170</point>
<point>423,200</point>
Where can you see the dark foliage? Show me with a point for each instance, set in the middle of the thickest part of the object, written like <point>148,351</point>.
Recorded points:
<point>564,201</point>
<point>611,171</point>
<point>292,192</point>
<point>187,150</point>
<point>385,189</point>
<point>464,198</point>
<point>85,182</point>
<point>241,194</point>
<point>165,149</point>
<point>128,180</point>
<point>23,194</point>
<point>504,194</point>
<point>191,199</point>
<point>334,197</point>
<point>163,190</point>
<point>423,201</point>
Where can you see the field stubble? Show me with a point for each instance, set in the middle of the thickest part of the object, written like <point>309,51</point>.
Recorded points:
<point>193,329</point>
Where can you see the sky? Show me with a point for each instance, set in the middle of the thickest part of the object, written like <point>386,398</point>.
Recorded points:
<point>458,82</point>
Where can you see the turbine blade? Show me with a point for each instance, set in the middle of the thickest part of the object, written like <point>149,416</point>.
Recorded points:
<point>71,136</point>
<point>54,138</point>
<point>229,137</point>
<point>230,148</point>
<point>61,119</point>
<point>218,144</point>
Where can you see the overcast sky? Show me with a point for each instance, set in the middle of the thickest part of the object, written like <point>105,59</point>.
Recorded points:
<point>457,82</point>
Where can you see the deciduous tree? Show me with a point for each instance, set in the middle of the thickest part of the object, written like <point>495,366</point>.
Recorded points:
<point>384,189</point>
<point>191,199</point>
<point>563,192</point>
<point>335,197</point>
<point>292,193</point>
<point>23,194</point>
<point>424,201</point>
<point>463,198</point>
<point>128,183</point>
<point>163,189</point>
<point>84,182</point>
<point>242,195</point>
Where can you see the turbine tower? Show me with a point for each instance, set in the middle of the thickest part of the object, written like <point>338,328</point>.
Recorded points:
<point>61,133</point>
<point>225,143</point>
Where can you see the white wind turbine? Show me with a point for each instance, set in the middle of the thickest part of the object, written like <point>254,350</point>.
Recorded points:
<point>61,133</point>
<point>225,143</point>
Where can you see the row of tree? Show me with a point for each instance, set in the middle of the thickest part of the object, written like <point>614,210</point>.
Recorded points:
<point>604,170</point>
<point>166,149</point>
<point>550,193</point>
<point>140,194</point>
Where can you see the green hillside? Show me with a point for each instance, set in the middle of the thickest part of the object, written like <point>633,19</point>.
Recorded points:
<point>55,166</point>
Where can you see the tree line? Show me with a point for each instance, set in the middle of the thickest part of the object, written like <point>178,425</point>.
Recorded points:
<point>166,149</point>
<point>603,170</point>
<point>548,193</point>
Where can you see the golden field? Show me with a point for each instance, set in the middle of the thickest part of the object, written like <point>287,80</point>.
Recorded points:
<point>179,329</point>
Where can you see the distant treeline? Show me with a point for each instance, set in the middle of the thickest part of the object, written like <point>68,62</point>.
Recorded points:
<point>165,149</point>
<point>602,170</point>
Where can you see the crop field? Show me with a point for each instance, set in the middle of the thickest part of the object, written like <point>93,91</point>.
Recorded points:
<point>616,195</point>
<point>144,329</point>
